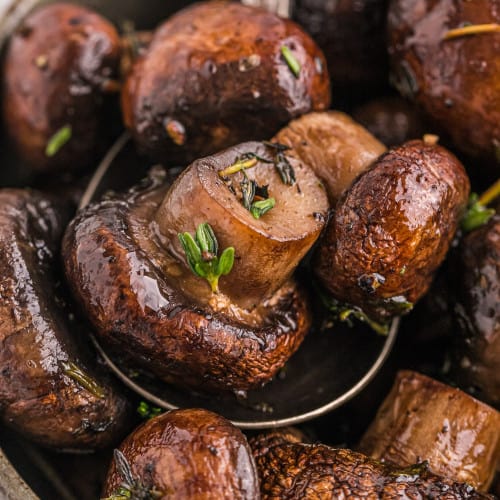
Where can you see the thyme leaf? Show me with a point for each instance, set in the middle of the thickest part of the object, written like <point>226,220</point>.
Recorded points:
<point>471,29</point>
<point>146,411</point>
<point>201,255</point>
<point>58,140</point>
<point>259,208</point>
<point>292,62</point>
<point>477,214</point>
<point>74,372</point>
<point>281,163</point>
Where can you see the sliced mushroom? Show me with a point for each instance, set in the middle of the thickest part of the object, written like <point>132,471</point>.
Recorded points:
<point>50,389</point>
<point>424,420</point>
<point>193,454</point>
<point>221,73</point>
<point>392,229</point>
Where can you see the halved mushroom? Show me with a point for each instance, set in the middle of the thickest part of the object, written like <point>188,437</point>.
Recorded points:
<point>423,419</point>
<point>59,65</point>
<point>219,73</point>
<point>294,470</point>
<point>129,270</point>
<point>50,388</point>
<point>392,229</point>
<point>193,454</point>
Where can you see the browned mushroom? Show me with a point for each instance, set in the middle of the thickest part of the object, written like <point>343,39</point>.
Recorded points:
<point>444,55</point>
<point>392,229</point>
<point>220,73</point>
<point>193,454</point>
<point>128,269</point>
<point>336,147</point>
<point>59,65</point>
<point>424,420</point>
<point>292,470</point>
<point>476,354</point>
<point>50,390</point>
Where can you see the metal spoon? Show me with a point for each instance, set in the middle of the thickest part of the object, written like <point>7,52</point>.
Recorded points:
<point>329,369</point>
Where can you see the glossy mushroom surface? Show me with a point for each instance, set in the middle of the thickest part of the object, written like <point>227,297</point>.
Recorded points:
<point>476,351</point>
<point>288,469</point>
<point>128,283</point>
<point>50,387</point>
<point>456,80</point>
<point>392,229</point>
<point>193,454</point>
<point>424,420</point>
<point>215,75</point>
<point>60,64</point>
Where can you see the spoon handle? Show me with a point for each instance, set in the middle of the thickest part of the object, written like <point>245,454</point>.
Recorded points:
<point>281,7</point>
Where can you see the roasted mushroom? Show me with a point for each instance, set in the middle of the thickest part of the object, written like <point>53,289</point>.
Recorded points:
<point>59,66</point>
<point>193,454</point>
<point>444,55</point>
<point>50,389</point>
<point>476,285</point>
<point>145,290</point>
<point>392,229</point>
<point>292,470</point>
<point>336,147</point>
<point>220,73</point>
<point>424,420</point>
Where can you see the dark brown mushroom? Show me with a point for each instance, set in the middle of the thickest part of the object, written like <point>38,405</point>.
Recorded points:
<point>392,229</point>
<point>193,454</point>
<point>476,285</point>
<point>424,420</point>
<point>127,268</point>
<point>216,75</point>
<point>292,470</point>
<point>60,64</point>
<point>454,79</point>
<point>336,147</point>
<point>50,388</point>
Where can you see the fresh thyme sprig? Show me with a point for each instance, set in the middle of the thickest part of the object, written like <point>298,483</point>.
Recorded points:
<point>281,163</point>
<point>146,411</point>
<point>201,255</point>
<point>290,59</point>
<point>477,214</point>
<point>58,140</point>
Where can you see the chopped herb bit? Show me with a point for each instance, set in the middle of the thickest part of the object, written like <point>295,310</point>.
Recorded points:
<point>472,29</point>
<point>147,411</point>
<point>248,190</point>
<point>201,255</point>
<point>290,59</point>
<point>259,208</point>
<point>491,194</point>
<point>58,140</point>
<point>241,163</point>
<point>477,214</point>
<point>74,372</point>
<point>281,163</point>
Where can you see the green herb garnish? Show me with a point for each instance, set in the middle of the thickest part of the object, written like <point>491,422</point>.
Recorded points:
<point>131,488</point>
<point>281,163</point>
<point>146,411</point>
<point>290,59</point>
<point>471,29</point>
<point>241,163</point>
<point>259,208</point>
<point>201,255</point>
<point>58,140</point>
<point>74,372</point>
<point>477,214</point>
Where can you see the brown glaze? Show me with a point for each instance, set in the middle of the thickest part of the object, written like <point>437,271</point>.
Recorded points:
<point>58,66</point>
<point>214,76</point>
<point>183,454</point>
<point>476,363</point>
<point>424,420</point>
<point>352,35</point>
<point>116,267</point>
<point>392,120</point>
<point>38,397</point>
<point>336,147</point>
<point>292,470</point>
<point>456,82</point>
<point>392,229</point>
<point>268,249</point>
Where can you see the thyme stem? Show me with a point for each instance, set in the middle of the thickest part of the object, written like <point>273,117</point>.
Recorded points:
<point>473,29</point>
